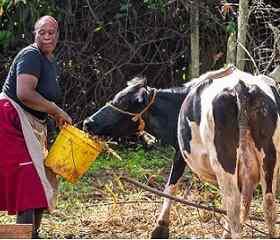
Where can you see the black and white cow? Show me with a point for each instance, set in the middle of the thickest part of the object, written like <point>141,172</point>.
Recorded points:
<point>227,132</point>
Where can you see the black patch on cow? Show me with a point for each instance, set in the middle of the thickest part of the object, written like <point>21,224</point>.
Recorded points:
<point>226,138</point>
<point>262,121</point>
<point>186,134</point>
<point>162,118</point>
<point>191,112</point>
<point>193,104</point>
<point>178,168</point>
<point>262,116</point>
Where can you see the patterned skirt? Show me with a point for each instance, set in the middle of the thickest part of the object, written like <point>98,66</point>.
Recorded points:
<point>20,185</point>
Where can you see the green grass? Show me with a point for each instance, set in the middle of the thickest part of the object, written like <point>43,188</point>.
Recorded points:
<point>136,162</point>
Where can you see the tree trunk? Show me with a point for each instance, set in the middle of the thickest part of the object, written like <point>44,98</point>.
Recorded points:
<point>231,49</point>
<point>242,33</point>
<point>194,22</point>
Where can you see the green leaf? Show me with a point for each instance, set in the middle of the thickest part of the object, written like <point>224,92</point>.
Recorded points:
<point>10,4</point>
<point>5,37</point>
<point>18,1</point>
<point>184,76</point>
<point>124,7</point>
<point>231,27</point>
<point>5,3</point>
<point>99,28</point>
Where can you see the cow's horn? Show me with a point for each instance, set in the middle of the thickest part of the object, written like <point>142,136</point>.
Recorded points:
<point>275,74</point>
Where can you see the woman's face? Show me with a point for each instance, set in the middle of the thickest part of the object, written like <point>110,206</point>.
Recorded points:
<point>46,36</point>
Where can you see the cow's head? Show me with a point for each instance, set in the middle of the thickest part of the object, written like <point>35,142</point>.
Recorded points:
<point>120,117</point>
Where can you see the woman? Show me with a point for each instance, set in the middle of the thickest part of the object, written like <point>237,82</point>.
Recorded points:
<point>28,97</point>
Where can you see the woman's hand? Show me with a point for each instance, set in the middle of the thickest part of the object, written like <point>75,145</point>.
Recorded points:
<point>61,118</point>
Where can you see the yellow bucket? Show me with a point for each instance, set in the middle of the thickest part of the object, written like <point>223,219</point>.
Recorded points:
<point>72,153</point>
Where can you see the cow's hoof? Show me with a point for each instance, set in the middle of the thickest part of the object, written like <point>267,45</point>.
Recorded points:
<point>226,234</point>
<point>160,232</point>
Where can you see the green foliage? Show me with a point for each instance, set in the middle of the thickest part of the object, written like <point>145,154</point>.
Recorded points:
<point>5,5</point>
<point>156,4</point>
<point>7,25</point>
<point>231,27</point>
<point>136,161</point>
<point>186,74</point>
<point>17,18</point>
<point>124,7</point>
<point>5,37</point>
<point>99,28</point>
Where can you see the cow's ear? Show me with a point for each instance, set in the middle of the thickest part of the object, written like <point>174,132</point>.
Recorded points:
<point>141,96</point>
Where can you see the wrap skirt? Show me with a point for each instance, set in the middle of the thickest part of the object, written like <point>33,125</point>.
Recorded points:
<point>20,185</point>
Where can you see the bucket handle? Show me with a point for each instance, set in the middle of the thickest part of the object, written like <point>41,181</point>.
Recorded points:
<point>72,153</point>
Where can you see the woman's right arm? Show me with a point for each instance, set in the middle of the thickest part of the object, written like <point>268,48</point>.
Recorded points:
<point>26,92</point>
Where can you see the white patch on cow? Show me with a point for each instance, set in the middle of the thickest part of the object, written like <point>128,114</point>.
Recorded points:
<point>198,159</point>
<point>207,131</point>
<point>230,81</point>
<point>163,218</point>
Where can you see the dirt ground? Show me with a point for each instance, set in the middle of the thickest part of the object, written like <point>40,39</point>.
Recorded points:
<point>116,209</point>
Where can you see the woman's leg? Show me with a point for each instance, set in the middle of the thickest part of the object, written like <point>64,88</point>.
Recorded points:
<point>25,217</point>
<point>37,221</point>
<point>31,216</point>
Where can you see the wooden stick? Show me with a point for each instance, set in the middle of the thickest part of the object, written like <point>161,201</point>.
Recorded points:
<point>181,200</point>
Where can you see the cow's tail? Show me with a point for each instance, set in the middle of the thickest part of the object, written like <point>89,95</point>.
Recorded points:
<point>243,102</point>
<point>247,164</point>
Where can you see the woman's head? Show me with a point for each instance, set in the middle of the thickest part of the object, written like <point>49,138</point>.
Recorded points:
<point>46,34</point>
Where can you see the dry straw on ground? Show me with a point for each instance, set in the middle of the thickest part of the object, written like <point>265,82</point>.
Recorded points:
<point>116,209</point>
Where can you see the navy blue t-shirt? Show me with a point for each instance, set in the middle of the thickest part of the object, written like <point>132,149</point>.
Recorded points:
<point>31,61</point>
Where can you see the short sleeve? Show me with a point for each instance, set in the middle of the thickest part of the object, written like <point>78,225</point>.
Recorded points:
<point>29,63</point>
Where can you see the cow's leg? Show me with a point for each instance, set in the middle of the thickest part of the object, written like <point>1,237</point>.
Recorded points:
<point>161,229</point>
<point>248,188</point>
<point>231,203</point>
<point>232,196</point>
<point>226,232</point>
<point>246,198</point>
<point>270,212</point>
<point>269,177</point>
<point>269,207</point>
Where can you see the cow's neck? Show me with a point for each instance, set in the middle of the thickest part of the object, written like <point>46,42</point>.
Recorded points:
<point>161,119</point>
